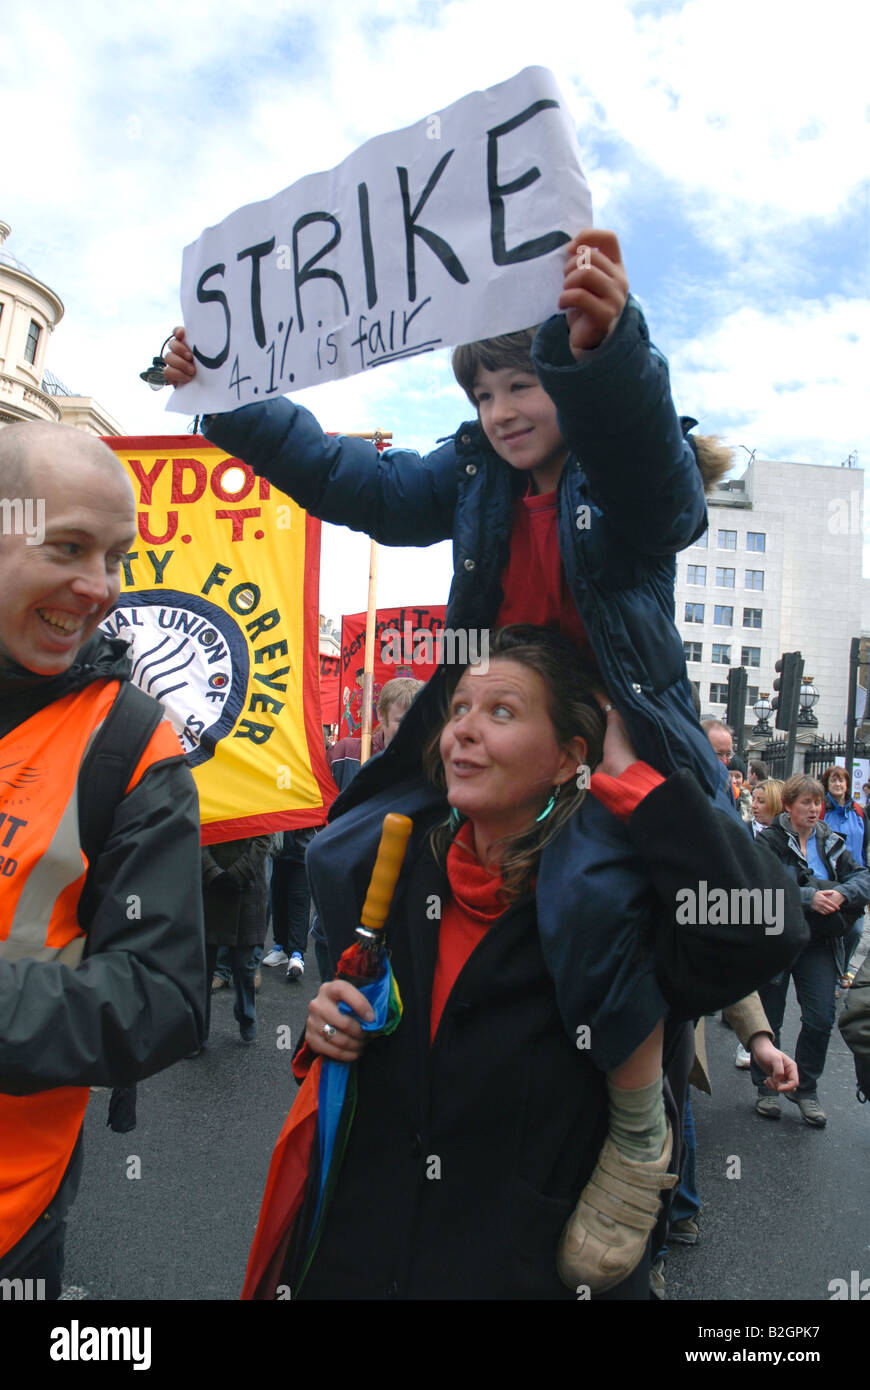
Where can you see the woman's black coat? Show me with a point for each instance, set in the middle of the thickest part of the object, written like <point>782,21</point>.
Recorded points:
<point>465,1158</point>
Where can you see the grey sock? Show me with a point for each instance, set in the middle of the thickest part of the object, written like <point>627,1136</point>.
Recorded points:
<point>638,1126</point>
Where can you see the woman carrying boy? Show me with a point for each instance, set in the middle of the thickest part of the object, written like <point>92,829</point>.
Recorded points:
<point>567,500</point>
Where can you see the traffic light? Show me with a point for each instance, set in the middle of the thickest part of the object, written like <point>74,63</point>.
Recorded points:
<point>788,687</point>
<point>735,712</point>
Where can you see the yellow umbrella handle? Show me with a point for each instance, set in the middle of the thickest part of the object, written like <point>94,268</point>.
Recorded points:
<point>385,874</point>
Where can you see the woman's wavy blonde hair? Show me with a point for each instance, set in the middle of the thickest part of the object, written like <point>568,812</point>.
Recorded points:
<point>771,789</point>
<point>574,712</point>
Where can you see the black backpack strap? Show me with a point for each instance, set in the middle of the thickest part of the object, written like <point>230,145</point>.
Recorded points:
<point>111,762</point>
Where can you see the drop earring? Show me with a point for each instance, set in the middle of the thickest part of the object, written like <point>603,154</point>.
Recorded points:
<point>453,820</point>
<point>549,806</point>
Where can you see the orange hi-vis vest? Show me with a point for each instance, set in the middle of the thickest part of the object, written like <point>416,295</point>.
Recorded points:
<point>42,874</point>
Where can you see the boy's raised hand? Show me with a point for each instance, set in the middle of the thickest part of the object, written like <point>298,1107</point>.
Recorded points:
<point>180,367</point>
<point>595,290</point>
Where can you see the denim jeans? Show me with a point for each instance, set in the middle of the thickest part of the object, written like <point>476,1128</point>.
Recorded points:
<point>686,1203</point>
<point>815,981</point>
<point>291,900</point>
<point>848,945</point>
<point>243,964</point>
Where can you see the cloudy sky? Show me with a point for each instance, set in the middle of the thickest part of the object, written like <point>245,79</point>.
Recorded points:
<point>726,141</point>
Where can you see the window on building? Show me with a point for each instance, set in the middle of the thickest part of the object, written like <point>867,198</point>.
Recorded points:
<point>723,614</point>
<point>755,540</point>
<point>30,346</point>
<point>697,574</point>
<point>701,541</point>
<point>750,656</point>
<point>721,654</point>
<point>719,693</point>
<point>752,617</point>
<point>694,612</point>
<point>755,579</point>
<point>752,694</point>
<point>724,579</point>
<point>692,651</point>
<point>727,540</point>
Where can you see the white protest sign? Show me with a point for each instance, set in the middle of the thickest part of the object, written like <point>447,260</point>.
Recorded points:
<point>443,233</point>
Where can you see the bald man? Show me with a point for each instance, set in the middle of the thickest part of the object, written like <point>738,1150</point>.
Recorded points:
<point>102,976</point>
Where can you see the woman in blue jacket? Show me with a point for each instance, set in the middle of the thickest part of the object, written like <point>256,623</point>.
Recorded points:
<point>845,816</point>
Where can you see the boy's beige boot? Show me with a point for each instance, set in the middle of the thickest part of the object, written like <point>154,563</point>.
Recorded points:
<point>605,1237</point>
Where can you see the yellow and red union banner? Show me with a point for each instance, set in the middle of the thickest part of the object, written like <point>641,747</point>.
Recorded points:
<point>219,602</point>
<point>406,644</point>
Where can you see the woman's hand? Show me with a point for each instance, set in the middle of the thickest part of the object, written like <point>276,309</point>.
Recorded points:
<point>180,367</point>
<point>348,1040</point>
<point>618,751</point>
<point>595,289</point>
<point>826,901</point>
<point>782,1072</point>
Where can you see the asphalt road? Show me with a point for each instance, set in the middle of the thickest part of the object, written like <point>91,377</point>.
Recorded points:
<point>795,1219</point>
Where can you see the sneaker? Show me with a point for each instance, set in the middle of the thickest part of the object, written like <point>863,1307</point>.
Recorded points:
<point>277,956</point>
<point>296,968</point>
<point>218,982</point>
<point>810,1109</point>
<point>605,1237</point>
<point>684,1232</point>
<point>767,1104</point>
<point>743,1059</point>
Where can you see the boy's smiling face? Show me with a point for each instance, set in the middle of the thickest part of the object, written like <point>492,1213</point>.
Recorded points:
<point>519,420</point>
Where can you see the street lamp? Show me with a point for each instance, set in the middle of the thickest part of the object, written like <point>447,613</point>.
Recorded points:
<point>763,710</point>
<point>808,697</point>
<point>155,375</point>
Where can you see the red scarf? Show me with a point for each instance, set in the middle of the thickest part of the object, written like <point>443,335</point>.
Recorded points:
<point>475,902</point>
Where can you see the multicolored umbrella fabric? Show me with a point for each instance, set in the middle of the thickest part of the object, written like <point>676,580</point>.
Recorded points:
<point>322,1114</point>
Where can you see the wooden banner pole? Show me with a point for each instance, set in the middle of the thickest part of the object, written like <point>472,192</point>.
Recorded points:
<point>369,665</point>
<point>379,439</point>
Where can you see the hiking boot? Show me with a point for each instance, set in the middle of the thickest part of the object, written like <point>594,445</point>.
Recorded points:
<point>684,1232</point>
<point>767,1104</point>
<point>657,1278</point>
<point>810,1109</point>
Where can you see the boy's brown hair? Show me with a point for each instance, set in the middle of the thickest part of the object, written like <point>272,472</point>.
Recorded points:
<point>401,691</point>
<point>509,350</point>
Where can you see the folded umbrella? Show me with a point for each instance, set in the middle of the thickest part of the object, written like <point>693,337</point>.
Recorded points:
<point>307,1157</point>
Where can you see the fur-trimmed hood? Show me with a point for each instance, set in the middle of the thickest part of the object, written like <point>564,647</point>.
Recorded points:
<point>714,459</point>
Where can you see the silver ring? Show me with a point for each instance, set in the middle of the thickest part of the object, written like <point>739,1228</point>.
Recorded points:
<point>328,1031</point>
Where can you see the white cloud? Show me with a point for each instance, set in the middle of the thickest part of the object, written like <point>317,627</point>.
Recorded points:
<point>130,127</point>
<point>773,382</point>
